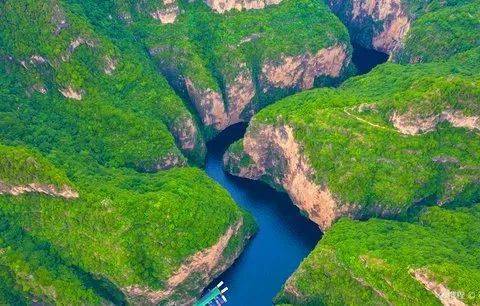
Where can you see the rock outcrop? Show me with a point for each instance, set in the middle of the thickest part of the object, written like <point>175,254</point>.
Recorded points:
<point>205,265</point>
<point>222,6</point>
<point>413,124</point>
<point>47,189</point>
<point>209,104</point>
<point>185,132</point>
<point>300,71</point>
<point>378,24</point>
<point>276,158</point>
<point>167,162</point>
<point>445,295</point>
<point>240,94</point>
<point>168,13</point>
<point>71,93</point>
<point>237,102</point>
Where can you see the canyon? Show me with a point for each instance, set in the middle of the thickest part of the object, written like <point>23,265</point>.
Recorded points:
<point>116,118</point>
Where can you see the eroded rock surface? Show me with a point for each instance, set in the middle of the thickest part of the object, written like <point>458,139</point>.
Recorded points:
<point>185,133</point>
<point>168,13</point>
<point>413,124</point>
<point>206,265</point>
<point>209,104</point>
<point>381,24</point>
<point>300,71</point>
<point>71,93</point>
<point>48,189</point>
<point>167,162</point>
<point>445,295</point>
<point>240,94</point>
<point>222,6</point>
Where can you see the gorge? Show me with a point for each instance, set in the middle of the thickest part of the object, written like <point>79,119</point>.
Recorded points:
<point>284,236</point>
<point>149,148</point>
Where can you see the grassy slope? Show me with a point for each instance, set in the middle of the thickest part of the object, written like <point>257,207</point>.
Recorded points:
<point>371,262</point>
<point>127,227</point>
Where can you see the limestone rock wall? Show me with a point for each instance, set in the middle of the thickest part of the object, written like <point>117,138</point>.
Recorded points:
<point>378,24</point>
<point>222,6</point>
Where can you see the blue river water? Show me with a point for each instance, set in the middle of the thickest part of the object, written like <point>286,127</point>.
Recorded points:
<point>285,237</point>
<point>283,240</point>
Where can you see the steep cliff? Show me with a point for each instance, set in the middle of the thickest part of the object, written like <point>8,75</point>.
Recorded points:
<point>378,24</point>
<point>360,151</point>
<point>273,155</point>
<point>228,75</point>
<point>411,31</point>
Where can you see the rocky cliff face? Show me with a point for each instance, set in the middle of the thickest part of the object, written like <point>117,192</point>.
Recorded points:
<point>222,6</point>
<point>300,71</point>
<point>276,157</point>
<point>197,270</point>
<point>413,124</point>
<point>168,13</point>
<point>288,73</point>
<point>189,139</point>
<point>165,11</point>
<point>378,24</point>
<point>220,111</point>
<point>47,189</point>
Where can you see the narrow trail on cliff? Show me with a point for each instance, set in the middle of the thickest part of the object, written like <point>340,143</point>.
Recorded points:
<point>283,240</point>
<point>346,111</point>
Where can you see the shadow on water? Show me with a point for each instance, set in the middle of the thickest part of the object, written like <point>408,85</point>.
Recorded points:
<point>283,240</point>
<point>366,59</point>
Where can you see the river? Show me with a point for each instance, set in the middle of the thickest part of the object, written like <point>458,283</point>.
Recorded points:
<point>285,237</point>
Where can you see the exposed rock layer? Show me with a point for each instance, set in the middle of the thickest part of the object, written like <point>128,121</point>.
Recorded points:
<point>222,6</point>
<point>300,71</point>
<point>206,264</point>
<point>412,124</point>
<point>168,13</point>
<point>48,189</point>
<point>380,24</point>
<point>447,297</point>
